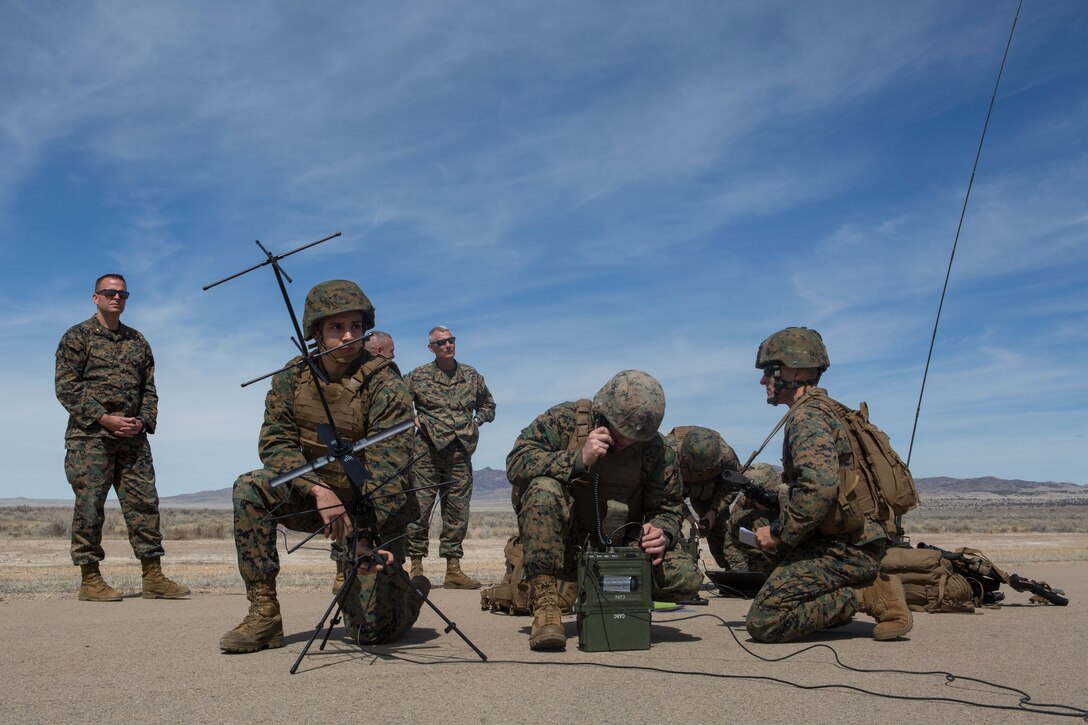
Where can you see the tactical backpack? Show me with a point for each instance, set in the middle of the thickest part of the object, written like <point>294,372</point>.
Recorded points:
<point>878,486</point>
<point>985,578</point>
<point>929,581</point>
<point>511,595</point>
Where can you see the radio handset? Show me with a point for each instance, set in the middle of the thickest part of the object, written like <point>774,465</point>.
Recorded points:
<point>599,421</point>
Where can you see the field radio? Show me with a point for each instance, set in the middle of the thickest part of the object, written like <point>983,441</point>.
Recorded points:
<point>614,599</point>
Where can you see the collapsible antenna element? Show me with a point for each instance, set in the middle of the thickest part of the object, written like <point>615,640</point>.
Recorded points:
<point>365,539</point>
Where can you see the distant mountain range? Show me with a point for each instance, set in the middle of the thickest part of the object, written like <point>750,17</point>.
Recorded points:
<point>996,486</point>
<point>491,489</point>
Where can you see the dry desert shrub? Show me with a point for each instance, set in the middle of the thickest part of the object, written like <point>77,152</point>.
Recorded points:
<point>27,522</point>
<point>492,524</point>
<point>976,519</point>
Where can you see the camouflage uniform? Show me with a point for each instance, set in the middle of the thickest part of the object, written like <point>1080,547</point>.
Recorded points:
<point>703,486</point>
<point>369,397</point>
<point>811,588</point>
<point>108,372</point>
<point>381,601</point>
<point>448,405</point>
<point>550,481</point>
<point>739,556</point>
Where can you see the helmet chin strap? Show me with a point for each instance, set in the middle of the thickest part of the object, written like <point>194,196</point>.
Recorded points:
<point>775,371</point>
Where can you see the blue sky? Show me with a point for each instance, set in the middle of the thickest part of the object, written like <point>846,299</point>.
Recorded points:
<point>574,188</point>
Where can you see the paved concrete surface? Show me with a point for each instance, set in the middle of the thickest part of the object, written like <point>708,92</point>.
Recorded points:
<point>157,661</point>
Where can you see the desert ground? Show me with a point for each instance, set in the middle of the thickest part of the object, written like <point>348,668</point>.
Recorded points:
<point>157,661</point>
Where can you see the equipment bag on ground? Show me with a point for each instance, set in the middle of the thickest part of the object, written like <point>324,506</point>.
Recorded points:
<point>986,578</point>
<point>511,595</point>
<point>930,583</point>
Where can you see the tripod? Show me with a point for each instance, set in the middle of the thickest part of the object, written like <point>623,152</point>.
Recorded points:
<point>360,509</point>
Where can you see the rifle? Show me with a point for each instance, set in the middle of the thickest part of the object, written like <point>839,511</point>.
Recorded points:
<point>986,578</point>
<point>737,481</point>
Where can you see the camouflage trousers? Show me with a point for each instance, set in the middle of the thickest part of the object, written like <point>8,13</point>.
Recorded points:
<point>741,557</point>
<point>551,537</point>
<point>378,608</point>
<point>94,466</point>
<point>453,466</point>
<point>811,588</point>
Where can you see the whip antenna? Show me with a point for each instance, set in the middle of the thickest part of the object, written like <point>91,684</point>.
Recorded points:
<point>963,213</point>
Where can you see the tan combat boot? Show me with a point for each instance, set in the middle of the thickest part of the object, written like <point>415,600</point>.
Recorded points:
<point>885,602</point>
<point>455,578</point>
<point>547,632</point>
<point>156,585</point>
<point>417,567</point>
<point>93,588</point>
<point>262,626</point>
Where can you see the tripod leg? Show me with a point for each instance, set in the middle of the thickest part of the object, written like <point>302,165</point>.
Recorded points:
<point>336,604</point>
<point>349,579</point>
<point>450,624</point>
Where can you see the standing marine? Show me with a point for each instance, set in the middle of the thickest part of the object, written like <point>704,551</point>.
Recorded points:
<point>365,394</point>
<point>588,470</point>
<point>105,379</point>
<point>824,574</point>
<point>452,402</point>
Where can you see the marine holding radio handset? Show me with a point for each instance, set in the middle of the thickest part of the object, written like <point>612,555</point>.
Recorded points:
<point>552,466</point>
<point>602,440</point>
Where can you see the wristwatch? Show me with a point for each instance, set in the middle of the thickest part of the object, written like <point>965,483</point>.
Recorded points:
<point>776,529</point>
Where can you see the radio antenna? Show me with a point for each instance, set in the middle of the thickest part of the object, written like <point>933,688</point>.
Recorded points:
<point>956,241</point>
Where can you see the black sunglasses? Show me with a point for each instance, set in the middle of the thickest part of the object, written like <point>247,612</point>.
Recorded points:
<point>443,342</point>
<point>123,294</point>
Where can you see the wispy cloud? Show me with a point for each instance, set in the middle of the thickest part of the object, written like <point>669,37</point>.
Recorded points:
<point>574,190</point>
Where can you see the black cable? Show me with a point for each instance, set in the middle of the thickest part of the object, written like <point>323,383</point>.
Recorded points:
<point>963,213</point>
<point>287,544</point>
<point>618,529</point>
<point>1024,705</point>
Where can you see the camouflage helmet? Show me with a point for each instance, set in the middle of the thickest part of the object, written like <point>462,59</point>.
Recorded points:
<point>633,402</point>
<point>331,298</point>
<point>765,476</point>
<point>795,347</point>
<point>701,452</point>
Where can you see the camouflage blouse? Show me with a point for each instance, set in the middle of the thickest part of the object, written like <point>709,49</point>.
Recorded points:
<point>105,372</point>
<point>814,449</point>
<point>446,404</point>
<point>541,450</point>
<point>387,404</point>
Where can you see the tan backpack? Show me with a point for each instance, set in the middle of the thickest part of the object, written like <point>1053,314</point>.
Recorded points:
<point>878,486</point>
<point>929,581</point>
<point>511,595</point>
